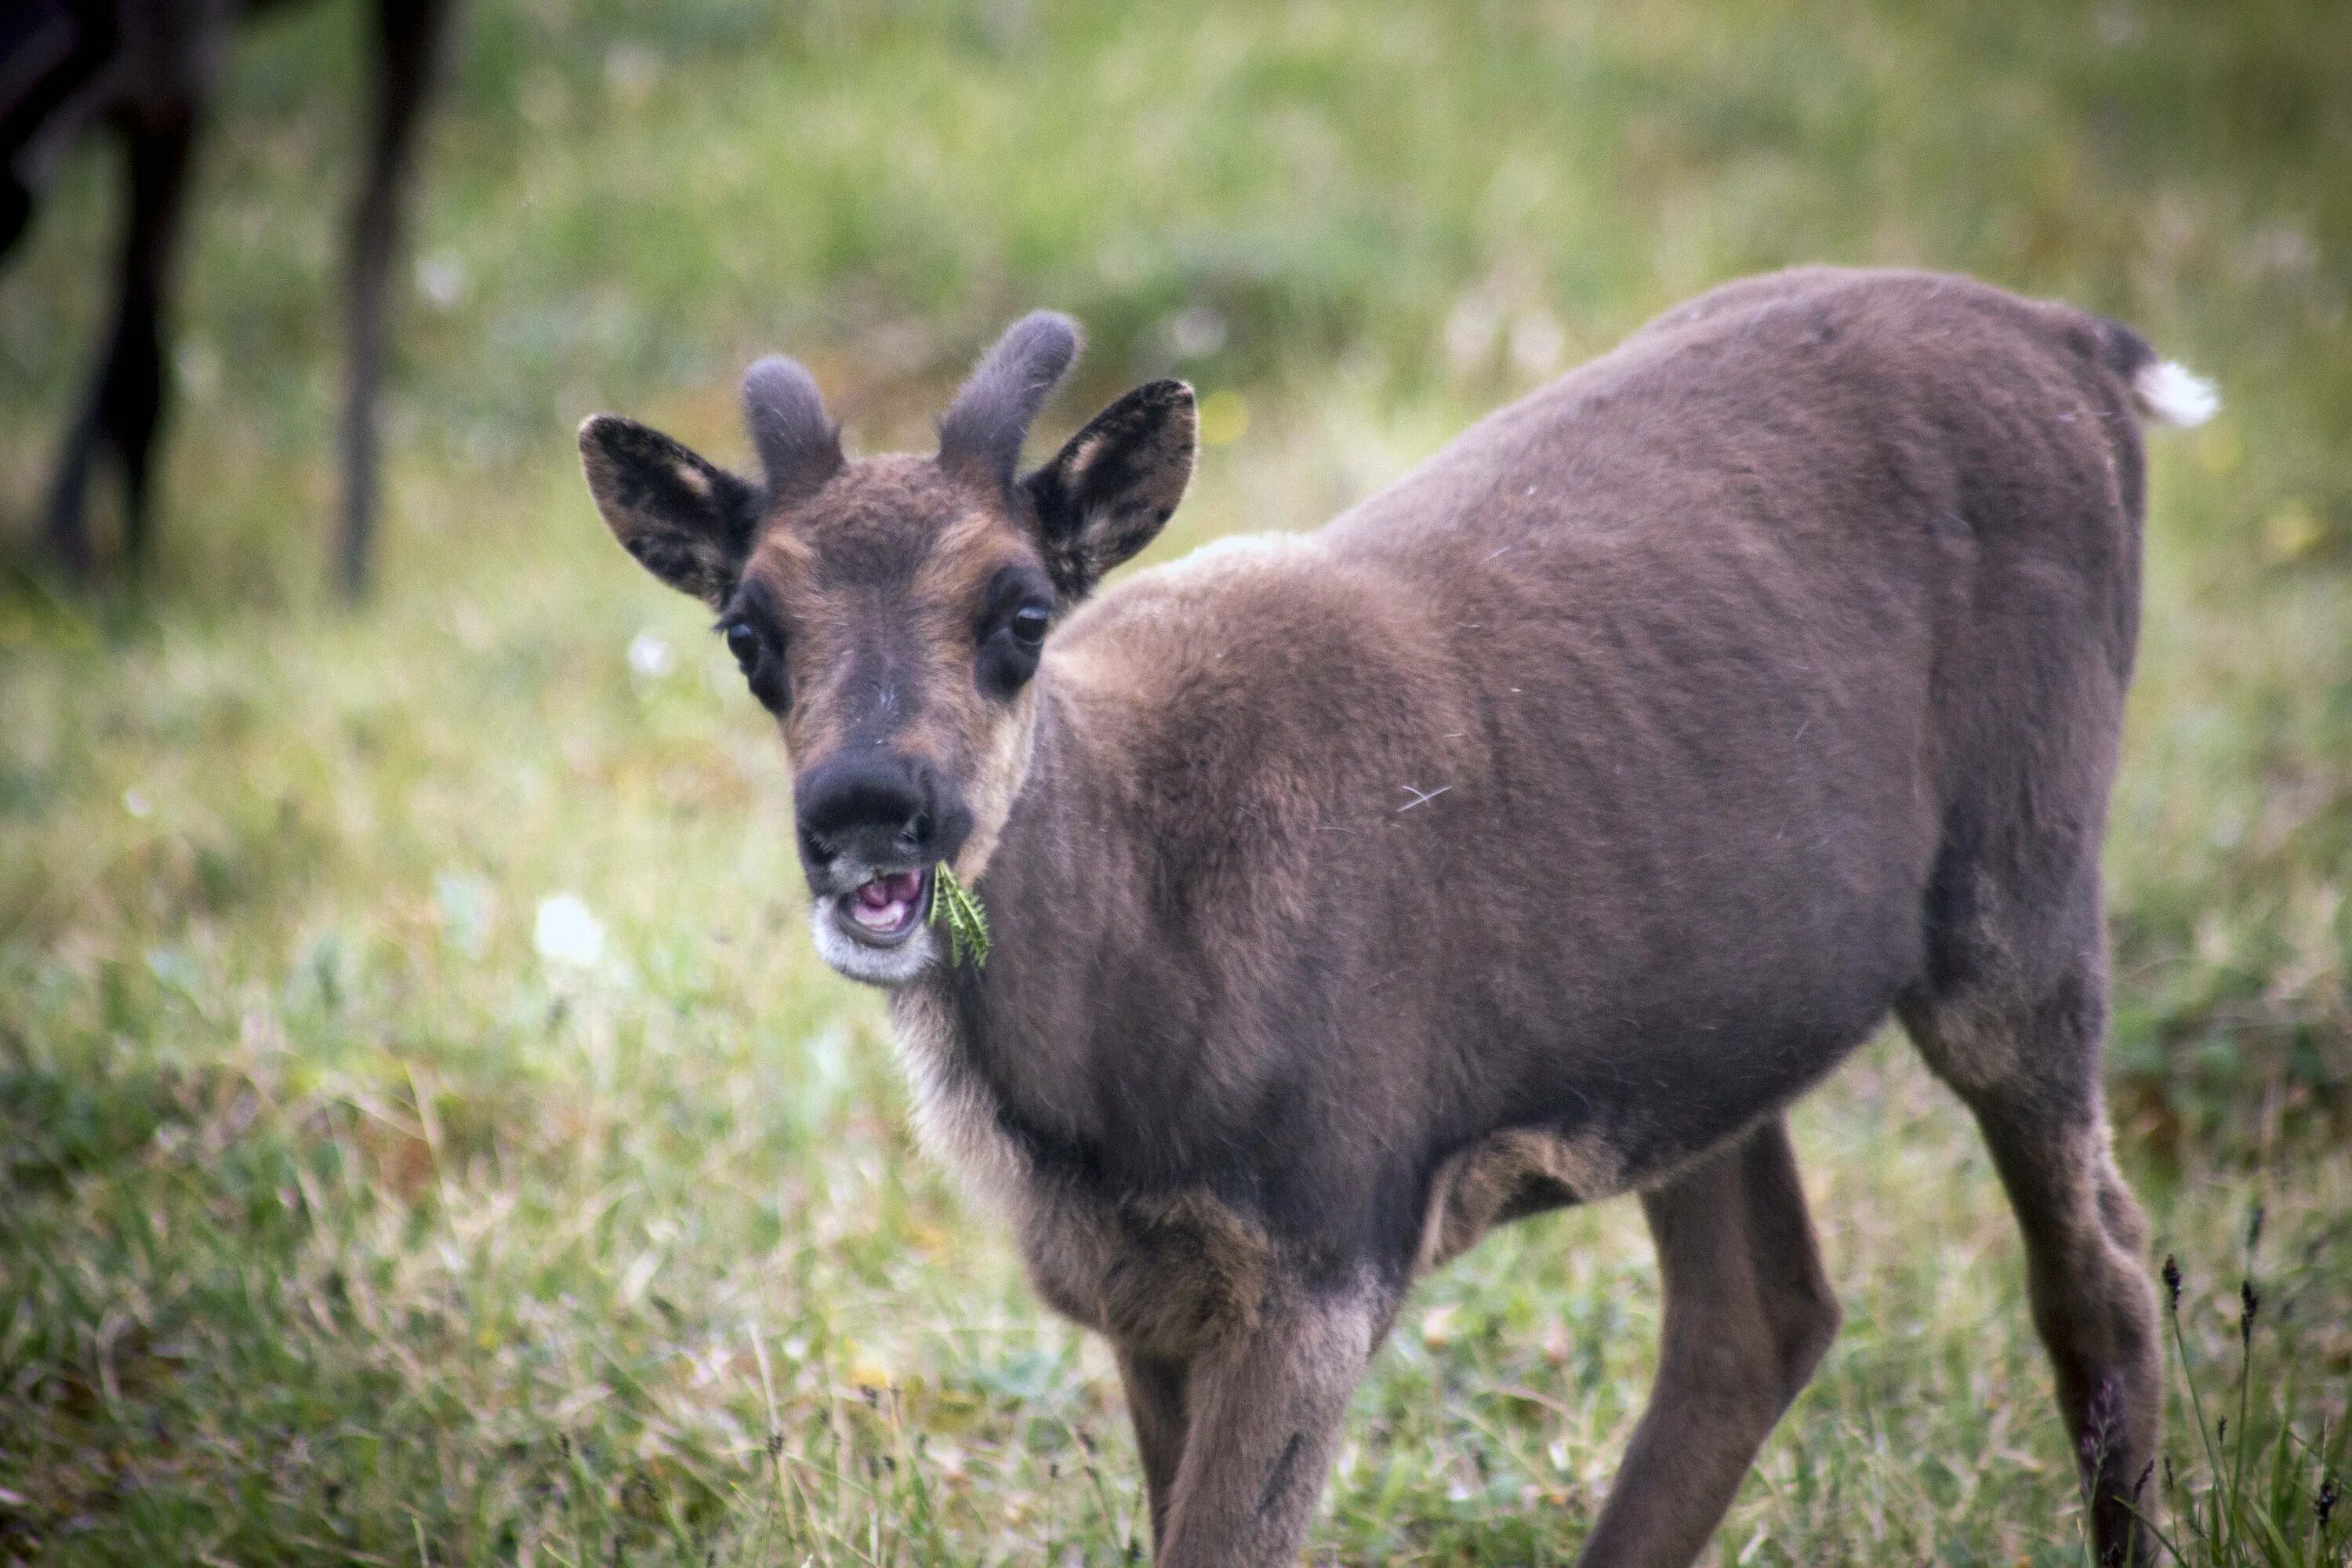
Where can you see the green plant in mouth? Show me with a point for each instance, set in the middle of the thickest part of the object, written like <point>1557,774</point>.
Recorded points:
<point>953,904</point>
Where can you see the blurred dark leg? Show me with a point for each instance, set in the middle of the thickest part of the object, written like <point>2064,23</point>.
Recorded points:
<point>408,34</point>
<point>16,212</point>
<point>123,412</point>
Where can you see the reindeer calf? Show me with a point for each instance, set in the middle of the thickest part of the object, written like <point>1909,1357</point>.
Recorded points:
<point>1535,831</point>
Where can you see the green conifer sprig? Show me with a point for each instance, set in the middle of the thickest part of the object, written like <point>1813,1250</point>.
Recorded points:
<point>953,904</point>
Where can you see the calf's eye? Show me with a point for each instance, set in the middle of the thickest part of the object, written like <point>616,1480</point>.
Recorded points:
<point>1029,625</point>
<point>744,644</point>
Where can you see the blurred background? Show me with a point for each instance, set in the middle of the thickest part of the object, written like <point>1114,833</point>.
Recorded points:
<point>425,1133</point>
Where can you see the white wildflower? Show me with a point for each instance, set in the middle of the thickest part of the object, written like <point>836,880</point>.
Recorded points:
<point>650,655</point>
<point>567,933</point>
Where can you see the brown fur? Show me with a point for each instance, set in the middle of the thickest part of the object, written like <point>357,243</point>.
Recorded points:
<point>1172,1275</point>
<point>1535,831</point>
<point>1508,1175</point>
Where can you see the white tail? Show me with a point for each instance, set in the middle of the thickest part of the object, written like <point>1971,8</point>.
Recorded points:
<point>2171,393</point>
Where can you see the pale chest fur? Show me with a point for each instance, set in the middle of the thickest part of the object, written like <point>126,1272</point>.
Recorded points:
<point>1169,1271</point>
<point>1166,1272</point>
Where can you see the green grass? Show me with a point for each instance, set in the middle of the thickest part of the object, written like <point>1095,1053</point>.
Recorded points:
<point>338,1224</point>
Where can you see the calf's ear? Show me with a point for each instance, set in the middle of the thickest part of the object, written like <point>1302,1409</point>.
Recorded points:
<point>687,522</point>
<point>1107,493</point>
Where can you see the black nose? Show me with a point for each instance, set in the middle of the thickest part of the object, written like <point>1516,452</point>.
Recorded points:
<point>877,808</point>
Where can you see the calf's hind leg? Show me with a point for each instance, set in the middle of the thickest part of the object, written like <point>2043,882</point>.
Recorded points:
<point>2026,1060</point>
<point>1748,1315</point>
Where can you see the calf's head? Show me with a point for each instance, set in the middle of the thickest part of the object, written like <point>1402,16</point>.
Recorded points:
<point>892,613</point>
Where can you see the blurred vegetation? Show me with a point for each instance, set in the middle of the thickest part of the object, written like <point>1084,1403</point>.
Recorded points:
<point>339,1222</point>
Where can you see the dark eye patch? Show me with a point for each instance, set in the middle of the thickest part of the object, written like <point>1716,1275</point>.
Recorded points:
<point>745,644</point>
<point>1011,629</point>
<point>756,639</point>
<point>1011,589</point>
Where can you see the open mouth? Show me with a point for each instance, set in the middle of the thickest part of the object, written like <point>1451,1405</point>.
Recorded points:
<point>888,909</point>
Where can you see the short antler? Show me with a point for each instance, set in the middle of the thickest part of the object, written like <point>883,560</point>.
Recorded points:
<point>984,428</point>
<point>799,447</point>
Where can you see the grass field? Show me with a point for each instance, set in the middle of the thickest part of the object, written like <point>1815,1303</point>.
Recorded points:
<point>339,1222</point>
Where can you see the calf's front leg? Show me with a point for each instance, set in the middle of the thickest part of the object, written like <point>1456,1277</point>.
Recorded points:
<point>1155,1404</point>
<point>1258,1414</point>
<point>1749,1314</point>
